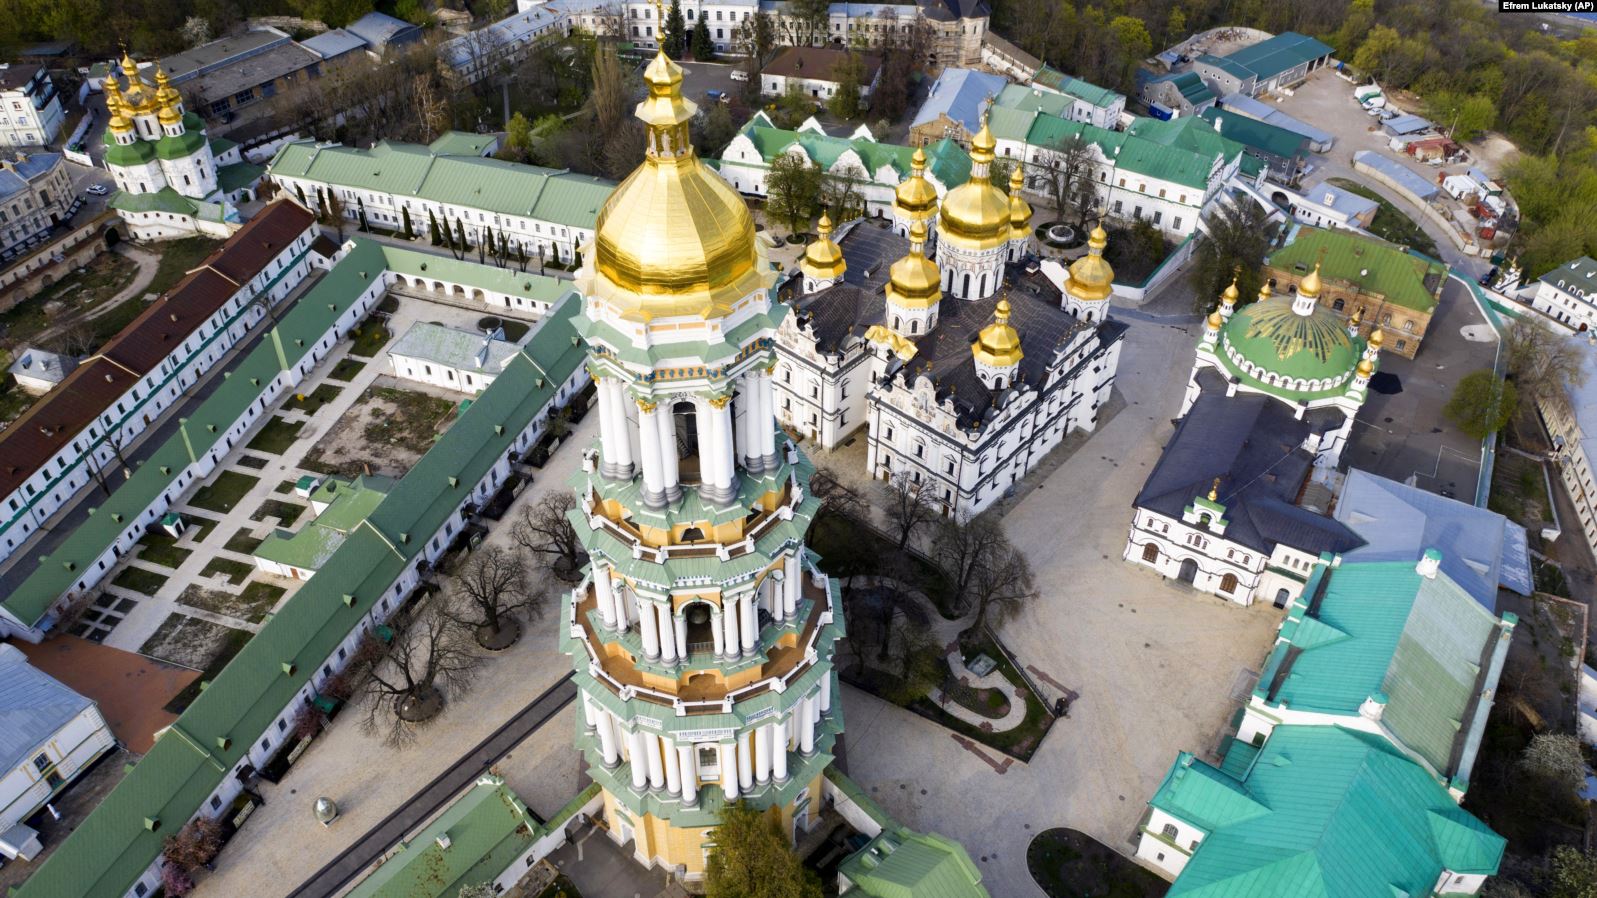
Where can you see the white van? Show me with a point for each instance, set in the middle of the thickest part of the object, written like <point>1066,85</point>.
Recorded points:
<point>740,74</point>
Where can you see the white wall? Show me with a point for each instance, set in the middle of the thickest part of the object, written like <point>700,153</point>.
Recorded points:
<point>1152,848</point>
<point>72,748</point>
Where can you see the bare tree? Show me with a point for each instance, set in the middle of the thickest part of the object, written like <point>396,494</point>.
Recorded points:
<point>1067,172</point>
<point>609,97</point>
<point>331,211</point>
<point>909,507</point>
<point>195,845</point>
<point>545,530</point>
<point>835,496</point>
<point>1002,585</point>
<point>1543,363</point>
<point>76,339</point>
<point>962,547</point>
<point>428,661</point>
<point>492,593</point>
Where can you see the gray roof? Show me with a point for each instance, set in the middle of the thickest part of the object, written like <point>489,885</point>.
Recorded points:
<point>1344,201</point>
<point>1405,124</point>
<point>1254,444</point>
<point>1481,549</point>
<point>961,94</point>
<point>191,63</point>
<point>18,174</point>
<point>1577,277</point>
<point>42,365</point>
<point>1268,114</point>
<point>250,71</point>
<point>1397,171</point>
<point>34,706</point>
<point>454,348</point>
<point>333,44</point>
<point>379,30</point>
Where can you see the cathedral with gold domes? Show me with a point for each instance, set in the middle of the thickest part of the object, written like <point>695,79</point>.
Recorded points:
<point>703,632</point>
<point>937,330</point>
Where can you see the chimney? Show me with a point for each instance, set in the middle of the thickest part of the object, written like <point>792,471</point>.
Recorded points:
<point>1373,707</point>
<point>1430,563</point>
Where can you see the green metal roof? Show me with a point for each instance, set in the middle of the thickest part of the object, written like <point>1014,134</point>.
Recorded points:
<point>136,153</point>
<point>1322,812</point>
<point>1373,265</point>
<point>164,200</point>
<point>508,188</point>
<point>348,503</point>
<point>902,863</point>
<point>181,146</point>
<point>1272,336</point>
<point>112,847</point>
<point>1278,54</point>
<point>946,160</point>
<point>462,143</point>
<point>487,829</point>
<point>1085,91</point>
<point>238,176</point>
<point>1259,135</point>
<point>1030,99</point>
<point>1383,628</point>
<point>1184,151</point>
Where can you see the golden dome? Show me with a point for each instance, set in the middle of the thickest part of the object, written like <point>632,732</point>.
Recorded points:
<point>1310,286</point>
<point>1377,338</point>
<point>1365,368</point>
<point>1265,291</point>
<point>823,259</point>
<point>165,93</point>
<point>1231,294</point>
<point>1091,278</point>
<point>914,282</point>
<point>975,215</point>
<point>674,239</point>
<point>169,115</point>
<point>1019,209</point>
<point>1215,321</point>
<point>915,198</point>
<point>998,344</point>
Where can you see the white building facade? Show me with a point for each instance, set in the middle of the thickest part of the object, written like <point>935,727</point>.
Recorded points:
<point>1568,294</point>
<point>31,113</point>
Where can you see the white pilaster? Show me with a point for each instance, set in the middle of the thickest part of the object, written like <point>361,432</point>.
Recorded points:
<point>749,618</point>
<point>729,769</point>
<point>649,621</point>
<point>668,454</point>
<point>673,769</point>
<point>679,623</point>
<point>775,595</point>
<point>590,714</point>
<point>689,763</point>
<point>741,418</point>
<point>651,750</point>
<point>623,437</point>
<point>745,762</point>
<point>766,421</point>
<point>604,595</point>
<point>729,620</point>
<point>826,692</point>
<point>649,431</point>
<point>636,756</point>
<point>619,594</point>
<point>725,453</point>
<point>792,581</point>
<point>804,719</point>
<point>607,739</point>
<point>779,736</point>
<point>668,642</point>
<point>762,754</point>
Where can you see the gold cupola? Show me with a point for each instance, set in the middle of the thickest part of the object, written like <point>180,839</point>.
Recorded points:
<point>914,282</point>
<point>998,344</point>
<point>165,93</point>
<point>1308,297</point>
<point>915,199</point>
<point>1019,209</point>
<point>169,115</point>
<point>120,122</point>
<point>1092,279</point>
<point>137,98</point>
<point>975,215</point>
<point>1232,294</point>
<point>673,239</point>
<point>823,259</point>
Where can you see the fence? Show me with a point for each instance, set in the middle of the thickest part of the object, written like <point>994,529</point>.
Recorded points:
<point>1166,270</point>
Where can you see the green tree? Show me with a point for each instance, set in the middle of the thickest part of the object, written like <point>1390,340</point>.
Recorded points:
<point>1466,115</point>
<point>1234,245</point>
<point>518,138</point>
<point>1543,363</point>
<point>793,190</point>
<point>1380,42</point>
<point>1175,25</point>
<point>1130,44</point>
<point>792,108</point>
<point>460,235</point>
<point>1572,873</point>
<point>1482,403</point>
<point>714,131</point>
<point>404,216</point>
<point>609,97</point>
<point>752,858</point>
<point>1555,757</point>
<point>849,73</point>
<point>676,32</point>
<point>703,45</point>
<point>432,229</point>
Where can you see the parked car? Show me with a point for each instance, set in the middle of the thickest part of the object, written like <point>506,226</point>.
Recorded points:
<point>740,75</point>
<point>1490,276</point>
<point>98,189</point>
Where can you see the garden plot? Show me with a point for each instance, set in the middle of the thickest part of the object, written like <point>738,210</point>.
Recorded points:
<point>386,431</point>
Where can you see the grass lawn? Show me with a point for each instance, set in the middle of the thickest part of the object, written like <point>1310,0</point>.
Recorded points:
<point>1023,740</point>
<point>285,512</point>
<point>313,403</point>
<point>414,422</point>
<point>263,595</point>
<point>179,257</point>
<point>276,436</point>
<point>1069,864</point>
<point>986,702</point>
<point>158,548</point>
<point>235,571</point>
<point>242,543</point>
<point>253,604</point>
<point>139,580</point>
<point>370,336</point>
<point>224,492</point>
<point>199,526</point>
<point>347,369</point>
<point>1391,223</point>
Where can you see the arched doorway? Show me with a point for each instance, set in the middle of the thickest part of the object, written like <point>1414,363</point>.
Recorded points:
<point>1189,571</point>
<point>112,238</point>
<point>1282,597</point>
<point>701,628</point>
<point>685,418</point>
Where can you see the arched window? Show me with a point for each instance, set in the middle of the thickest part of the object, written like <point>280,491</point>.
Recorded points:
<point>1170,831</point>
<point>964,288</point>
<point>1338,304</point>
<point>914,325</point>
<point>1150,553</point>
<point>1408,327</point>
<point>1228,583</point>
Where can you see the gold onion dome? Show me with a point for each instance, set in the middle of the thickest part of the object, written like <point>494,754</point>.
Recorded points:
<point>674,239</point>
<point>1215,320</point>
<point>1377,338</point>
<point>914,282</point>
<point>169,115</point>
<point>1231,294</point>
<point>1310,286</point>
<point>1092,278</point>
<point>1365,368</point>
<point>915,196</point>
<point>823,259</point>
<point>165,93</point>
<point>120,123</point>
<point>975,215</point>
<point>998,344</point>
<point>1019,209</point>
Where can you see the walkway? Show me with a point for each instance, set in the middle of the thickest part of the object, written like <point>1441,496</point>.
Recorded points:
<point>148,263</point>
<point>432,797</point>
<point>993,680</point>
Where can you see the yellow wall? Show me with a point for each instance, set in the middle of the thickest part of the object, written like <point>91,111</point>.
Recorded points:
<point>657,842</point>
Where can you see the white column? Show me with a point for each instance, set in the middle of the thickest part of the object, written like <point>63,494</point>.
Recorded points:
<point>762,754</point>
<point>649,619</point>
<point>689,762</point>
<point>623,619</point>
<point>779,750</point>
<point>636,757</point>
<point>826,692</point>
<point>750,619</point>
<point>651,749</point>
<point>741,418</point>
<point>621,450</point>
<point>668,640</point>
<point>673,770</point>
<point>649,430</point>
<point>793,581</point>
<point>679,623</point>
<point>609,433</point>
<point>668,455</point>
<point>729,770</point>
<point>729,620</point>
<point>766,422</point>
<point>774,589</point>
<point>805,721</point>
<point>590,714</point>
<point>725,453</point>
<point>604,595</point>
<point>607,739</point>
<point>717,632</point>
<point>745,762</point>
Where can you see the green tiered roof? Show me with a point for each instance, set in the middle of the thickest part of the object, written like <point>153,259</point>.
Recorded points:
<point>1272,336</point>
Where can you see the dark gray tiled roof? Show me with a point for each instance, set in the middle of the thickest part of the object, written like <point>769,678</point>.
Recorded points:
<point>1254,445</point>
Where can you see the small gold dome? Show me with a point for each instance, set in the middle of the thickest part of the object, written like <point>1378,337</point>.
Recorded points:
<point>1215,321</point>
<point>120,124</point>
<point>1310,286</point>
<point>914,282</point>
<point>674,239</point>
<point>1231,294</point>
<point>165,93</point>
<point>975,215</point>
<point>1265,291</point>
<point>998,344</point>
<point>1365,368</point>
<point>169,115</point>
<point>1019,209</point>
<point>1092,279</point>
<point>823,259</point>
<point>915,198</point>
<point>1377,337</point>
